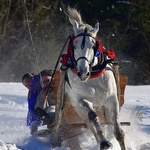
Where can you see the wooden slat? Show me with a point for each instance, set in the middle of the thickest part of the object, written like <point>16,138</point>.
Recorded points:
<point>56,83</point>
<point>123,82</point>
<point>70,114</point>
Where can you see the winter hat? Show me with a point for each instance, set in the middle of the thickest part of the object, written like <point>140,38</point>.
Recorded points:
<point>46,72</point>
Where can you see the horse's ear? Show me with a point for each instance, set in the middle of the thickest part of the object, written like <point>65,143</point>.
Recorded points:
<point>74,24</point>
<point>96,28</point>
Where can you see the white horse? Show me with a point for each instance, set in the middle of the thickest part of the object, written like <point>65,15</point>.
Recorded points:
<point>91,81</point>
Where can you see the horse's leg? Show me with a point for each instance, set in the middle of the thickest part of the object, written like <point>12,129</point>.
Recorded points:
<point>119,134</point>
<point>112,116</point>
<point>93,118</point>
<point>93,129</point>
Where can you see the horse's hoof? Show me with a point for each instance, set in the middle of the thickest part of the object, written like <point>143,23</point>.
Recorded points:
<point>105,145</point>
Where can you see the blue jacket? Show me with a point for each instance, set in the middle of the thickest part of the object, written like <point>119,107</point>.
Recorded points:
<point>33,93</point>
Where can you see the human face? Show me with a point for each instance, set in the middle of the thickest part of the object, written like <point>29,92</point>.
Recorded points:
<point>46,80</point>
<point>27,82</point>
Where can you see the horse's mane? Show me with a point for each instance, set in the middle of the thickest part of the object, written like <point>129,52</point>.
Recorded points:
<point>75,15</point>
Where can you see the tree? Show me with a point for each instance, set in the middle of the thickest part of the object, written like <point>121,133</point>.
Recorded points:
<point>124,26</point>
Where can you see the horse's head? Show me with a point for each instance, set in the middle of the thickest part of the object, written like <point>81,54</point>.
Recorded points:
<point>84,44</point>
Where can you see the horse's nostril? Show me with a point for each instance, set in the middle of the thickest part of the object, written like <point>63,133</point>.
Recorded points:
<point>79,74</point>
<point>88,74</point>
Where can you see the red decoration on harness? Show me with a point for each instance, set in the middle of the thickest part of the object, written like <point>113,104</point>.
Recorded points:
<point>97,74</point>
<point>110,53</point>
<point>92,75</point>
<point>65,57</point>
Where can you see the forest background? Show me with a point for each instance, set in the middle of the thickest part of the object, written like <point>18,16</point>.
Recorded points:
<point>124,26</point>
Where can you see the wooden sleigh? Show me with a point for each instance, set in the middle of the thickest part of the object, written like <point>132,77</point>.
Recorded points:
<point>71,124</point>
<point>71,118</point>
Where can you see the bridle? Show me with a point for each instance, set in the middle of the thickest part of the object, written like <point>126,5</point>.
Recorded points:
<point>104,56</point>
<point>95,48</point>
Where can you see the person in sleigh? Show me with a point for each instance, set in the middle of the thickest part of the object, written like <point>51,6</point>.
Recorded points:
<point>45,104</point>
<point>32,82</point>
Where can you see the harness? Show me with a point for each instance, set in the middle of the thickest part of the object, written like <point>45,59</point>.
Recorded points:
<point>104,56</point>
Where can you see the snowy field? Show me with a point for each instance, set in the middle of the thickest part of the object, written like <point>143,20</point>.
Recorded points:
<point>15,135</point>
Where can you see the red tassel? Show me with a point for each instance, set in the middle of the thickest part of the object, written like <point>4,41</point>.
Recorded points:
<point>64,58</point>
<point>110,53</point>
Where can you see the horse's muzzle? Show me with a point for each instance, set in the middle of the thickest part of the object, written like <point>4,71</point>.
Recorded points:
<point>83,75</point>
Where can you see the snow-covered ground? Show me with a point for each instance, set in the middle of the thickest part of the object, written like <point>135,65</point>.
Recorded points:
<point>15,135</point>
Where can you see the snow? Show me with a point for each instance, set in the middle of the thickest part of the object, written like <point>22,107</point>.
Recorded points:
<point>15,135</point>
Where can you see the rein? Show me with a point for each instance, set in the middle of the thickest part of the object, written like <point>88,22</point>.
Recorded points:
<point>34,50</point>
<point>56,65</point>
